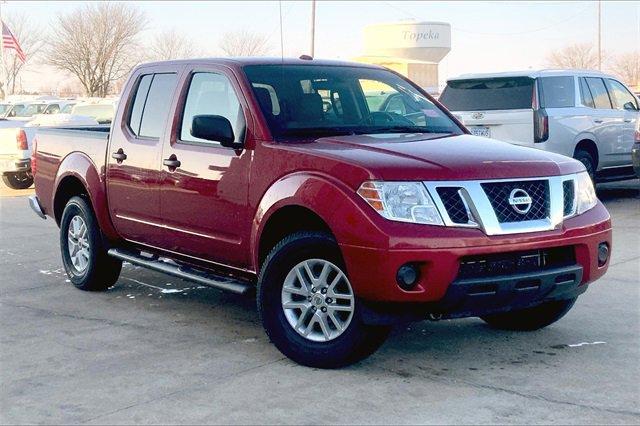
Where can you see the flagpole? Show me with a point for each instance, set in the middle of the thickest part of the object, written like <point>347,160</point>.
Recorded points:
<point>4,81</point>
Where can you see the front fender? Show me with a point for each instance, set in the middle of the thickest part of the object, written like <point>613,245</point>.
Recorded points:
<point>80,166</point>
<point>349,218</point>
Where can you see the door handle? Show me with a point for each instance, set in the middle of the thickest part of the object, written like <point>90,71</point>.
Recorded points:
<point>597,120</point>
<point>627,120</point>
<point>119,156</point>
<point>172,162</point>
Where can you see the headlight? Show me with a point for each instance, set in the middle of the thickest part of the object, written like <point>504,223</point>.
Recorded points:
<point>585,193</point>
<point>401,201</point>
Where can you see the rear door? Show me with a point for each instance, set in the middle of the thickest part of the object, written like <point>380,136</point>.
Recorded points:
<point>607,122</point>
<point>204,198</point>
<point>499,108</point>
<point>626,105</point>
<point>133,158</point>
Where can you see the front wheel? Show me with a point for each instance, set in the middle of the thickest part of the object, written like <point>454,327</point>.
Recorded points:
<point>589,163</point>
<point>84,256</point>
<point>530,319</point>
<point>308,307</point>
<point>18,180</point>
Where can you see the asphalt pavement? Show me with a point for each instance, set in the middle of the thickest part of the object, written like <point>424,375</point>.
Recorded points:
<point>155,349</point>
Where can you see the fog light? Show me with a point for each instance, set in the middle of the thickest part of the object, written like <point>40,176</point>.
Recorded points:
<point>603,253</point>
<point>407,276</point>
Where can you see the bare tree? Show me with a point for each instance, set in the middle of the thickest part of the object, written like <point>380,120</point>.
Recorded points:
<point>579,56</point>
<point>171,44</point>
<point>96,43</point>
<point>244,43</point>
<point>30,40</point>
<point>627,67</point>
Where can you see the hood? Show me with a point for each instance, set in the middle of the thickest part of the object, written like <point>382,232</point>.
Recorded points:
<point>442,157</point>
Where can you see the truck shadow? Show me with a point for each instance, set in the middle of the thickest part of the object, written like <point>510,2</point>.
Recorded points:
<point>617,191</point>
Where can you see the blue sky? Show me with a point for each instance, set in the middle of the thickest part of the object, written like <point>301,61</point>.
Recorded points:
<point>486,36</point>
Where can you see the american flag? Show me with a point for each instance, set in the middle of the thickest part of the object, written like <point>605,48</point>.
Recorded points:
<point>9,41</point>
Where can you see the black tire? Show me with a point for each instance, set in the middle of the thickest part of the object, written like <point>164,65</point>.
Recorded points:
<point>358,341</point>
<point>589,162</point>
<point>102,271</point>
<point>18,180</point>
<point>531,319</point>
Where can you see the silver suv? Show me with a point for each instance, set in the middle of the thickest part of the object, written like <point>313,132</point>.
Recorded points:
<point>586,115</point>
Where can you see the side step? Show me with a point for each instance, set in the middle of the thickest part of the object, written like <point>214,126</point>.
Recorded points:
<point>191,274</point>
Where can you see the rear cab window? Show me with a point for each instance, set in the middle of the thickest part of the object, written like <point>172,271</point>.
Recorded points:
<point>150,108</point>
<point>502,93</point>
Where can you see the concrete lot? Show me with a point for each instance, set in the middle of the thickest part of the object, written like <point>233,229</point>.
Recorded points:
<point>155,349</point>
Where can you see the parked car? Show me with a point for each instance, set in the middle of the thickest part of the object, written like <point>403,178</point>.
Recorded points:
<point>15,146</point>
<point>586,115</point>
<point>344,220</point>
<point>636,150</point>
<point>102,110</point>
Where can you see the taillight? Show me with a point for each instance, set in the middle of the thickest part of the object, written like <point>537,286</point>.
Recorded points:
<point>540,126</point>
<point>33,155</point>
<point>21,140</point>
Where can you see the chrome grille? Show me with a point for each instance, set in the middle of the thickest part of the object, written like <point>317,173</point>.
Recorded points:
<point>499,193</point>
<point>454,204</point>
<point>568,190</point>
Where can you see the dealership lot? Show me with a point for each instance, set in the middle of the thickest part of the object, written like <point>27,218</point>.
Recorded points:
<point>156,349</point>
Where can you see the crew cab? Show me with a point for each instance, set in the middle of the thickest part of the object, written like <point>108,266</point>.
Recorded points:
<point>279,177</point>
<point>587,115</point>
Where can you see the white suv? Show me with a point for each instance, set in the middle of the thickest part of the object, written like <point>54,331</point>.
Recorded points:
<point>587,115</point>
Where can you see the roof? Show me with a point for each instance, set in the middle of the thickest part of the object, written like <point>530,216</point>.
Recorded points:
<point>532,74</point>
<point>243,61</point>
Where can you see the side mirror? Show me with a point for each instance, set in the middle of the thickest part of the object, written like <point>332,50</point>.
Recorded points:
<point>214,128</point>
<point>630,106</point>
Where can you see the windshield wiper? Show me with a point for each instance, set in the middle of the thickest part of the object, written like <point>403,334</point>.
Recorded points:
<point>314,131</point>
<point>393,129</point>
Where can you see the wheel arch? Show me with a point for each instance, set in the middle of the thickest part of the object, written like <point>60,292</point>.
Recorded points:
<point>589,146</point>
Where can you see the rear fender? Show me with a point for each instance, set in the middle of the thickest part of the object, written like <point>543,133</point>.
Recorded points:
<point>334,202</point>
<point>80,166</point>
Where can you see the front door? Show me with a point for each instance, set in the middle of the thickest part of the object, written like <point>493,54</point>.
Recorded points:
<point>204,191</point>
<point>627,106</point>
<point>133,159</point>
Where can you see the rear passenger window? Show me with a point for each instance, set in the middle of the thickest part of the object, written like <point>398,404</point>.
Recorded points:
<point>599,93</point>
<point>138,103</point>
<point>557,92</point>
<point>211,94</point>
<point>156,107</point>
<point>585,94</point>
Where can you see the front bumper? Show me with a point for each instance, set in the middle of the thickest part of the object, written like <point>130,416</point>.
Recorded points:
<point>635,154</point>
<point>372,271</point>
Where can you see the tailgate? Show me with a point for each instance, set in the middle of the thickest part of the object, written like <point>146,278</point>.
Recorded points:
<point>513,126</point>
<point>8,144</point>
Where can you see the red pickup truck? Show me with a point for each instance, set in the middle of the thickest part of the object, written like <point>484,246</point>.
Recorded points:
<point>342,193</point>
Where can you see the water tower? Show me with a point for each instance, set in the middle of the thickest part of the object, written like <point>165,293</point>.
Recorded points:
<point>412,48</point>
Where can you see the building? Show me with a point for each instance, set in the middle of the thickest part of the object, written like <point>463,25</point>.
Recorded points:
<point>414,49</point>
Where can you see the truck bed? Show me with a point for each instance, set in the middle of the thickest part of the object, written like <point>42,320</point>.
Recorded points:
<point>53,145</point>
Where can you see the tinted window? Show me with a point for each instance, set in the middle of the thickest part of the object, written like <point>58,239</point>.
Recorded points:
<point>599,93</point>
<point>620,95</point>
<point>52,109</point>
<point>138,103</point>
<point>488,94</point>
<point>156,108</point>
<point>211,94</point>
<point>557,92</point>
<point>316,101</point>
<point>585,94</point>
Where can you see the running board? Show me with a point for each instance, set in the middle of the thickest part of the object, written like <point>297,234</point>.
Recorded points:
<point>191,274</point>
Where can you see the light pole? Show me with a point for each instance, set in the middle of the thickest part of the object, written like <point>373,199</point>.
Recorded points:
<point>313,27</point>
<point>599,35</point>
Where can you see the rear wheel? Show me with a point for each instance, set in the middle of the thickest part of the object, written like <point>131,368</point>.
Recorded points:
<point>589,162</point>
<point>84,256</point>
<point>308,307</point>
<point>18,180</point>
<point>531,318</point>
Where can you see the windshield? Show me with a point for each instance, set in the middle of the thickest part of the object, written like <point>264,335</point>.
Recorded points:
<point>28,110</point>
<point>488,94</point>
<point>4,108</point>
<point>313,100</point>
